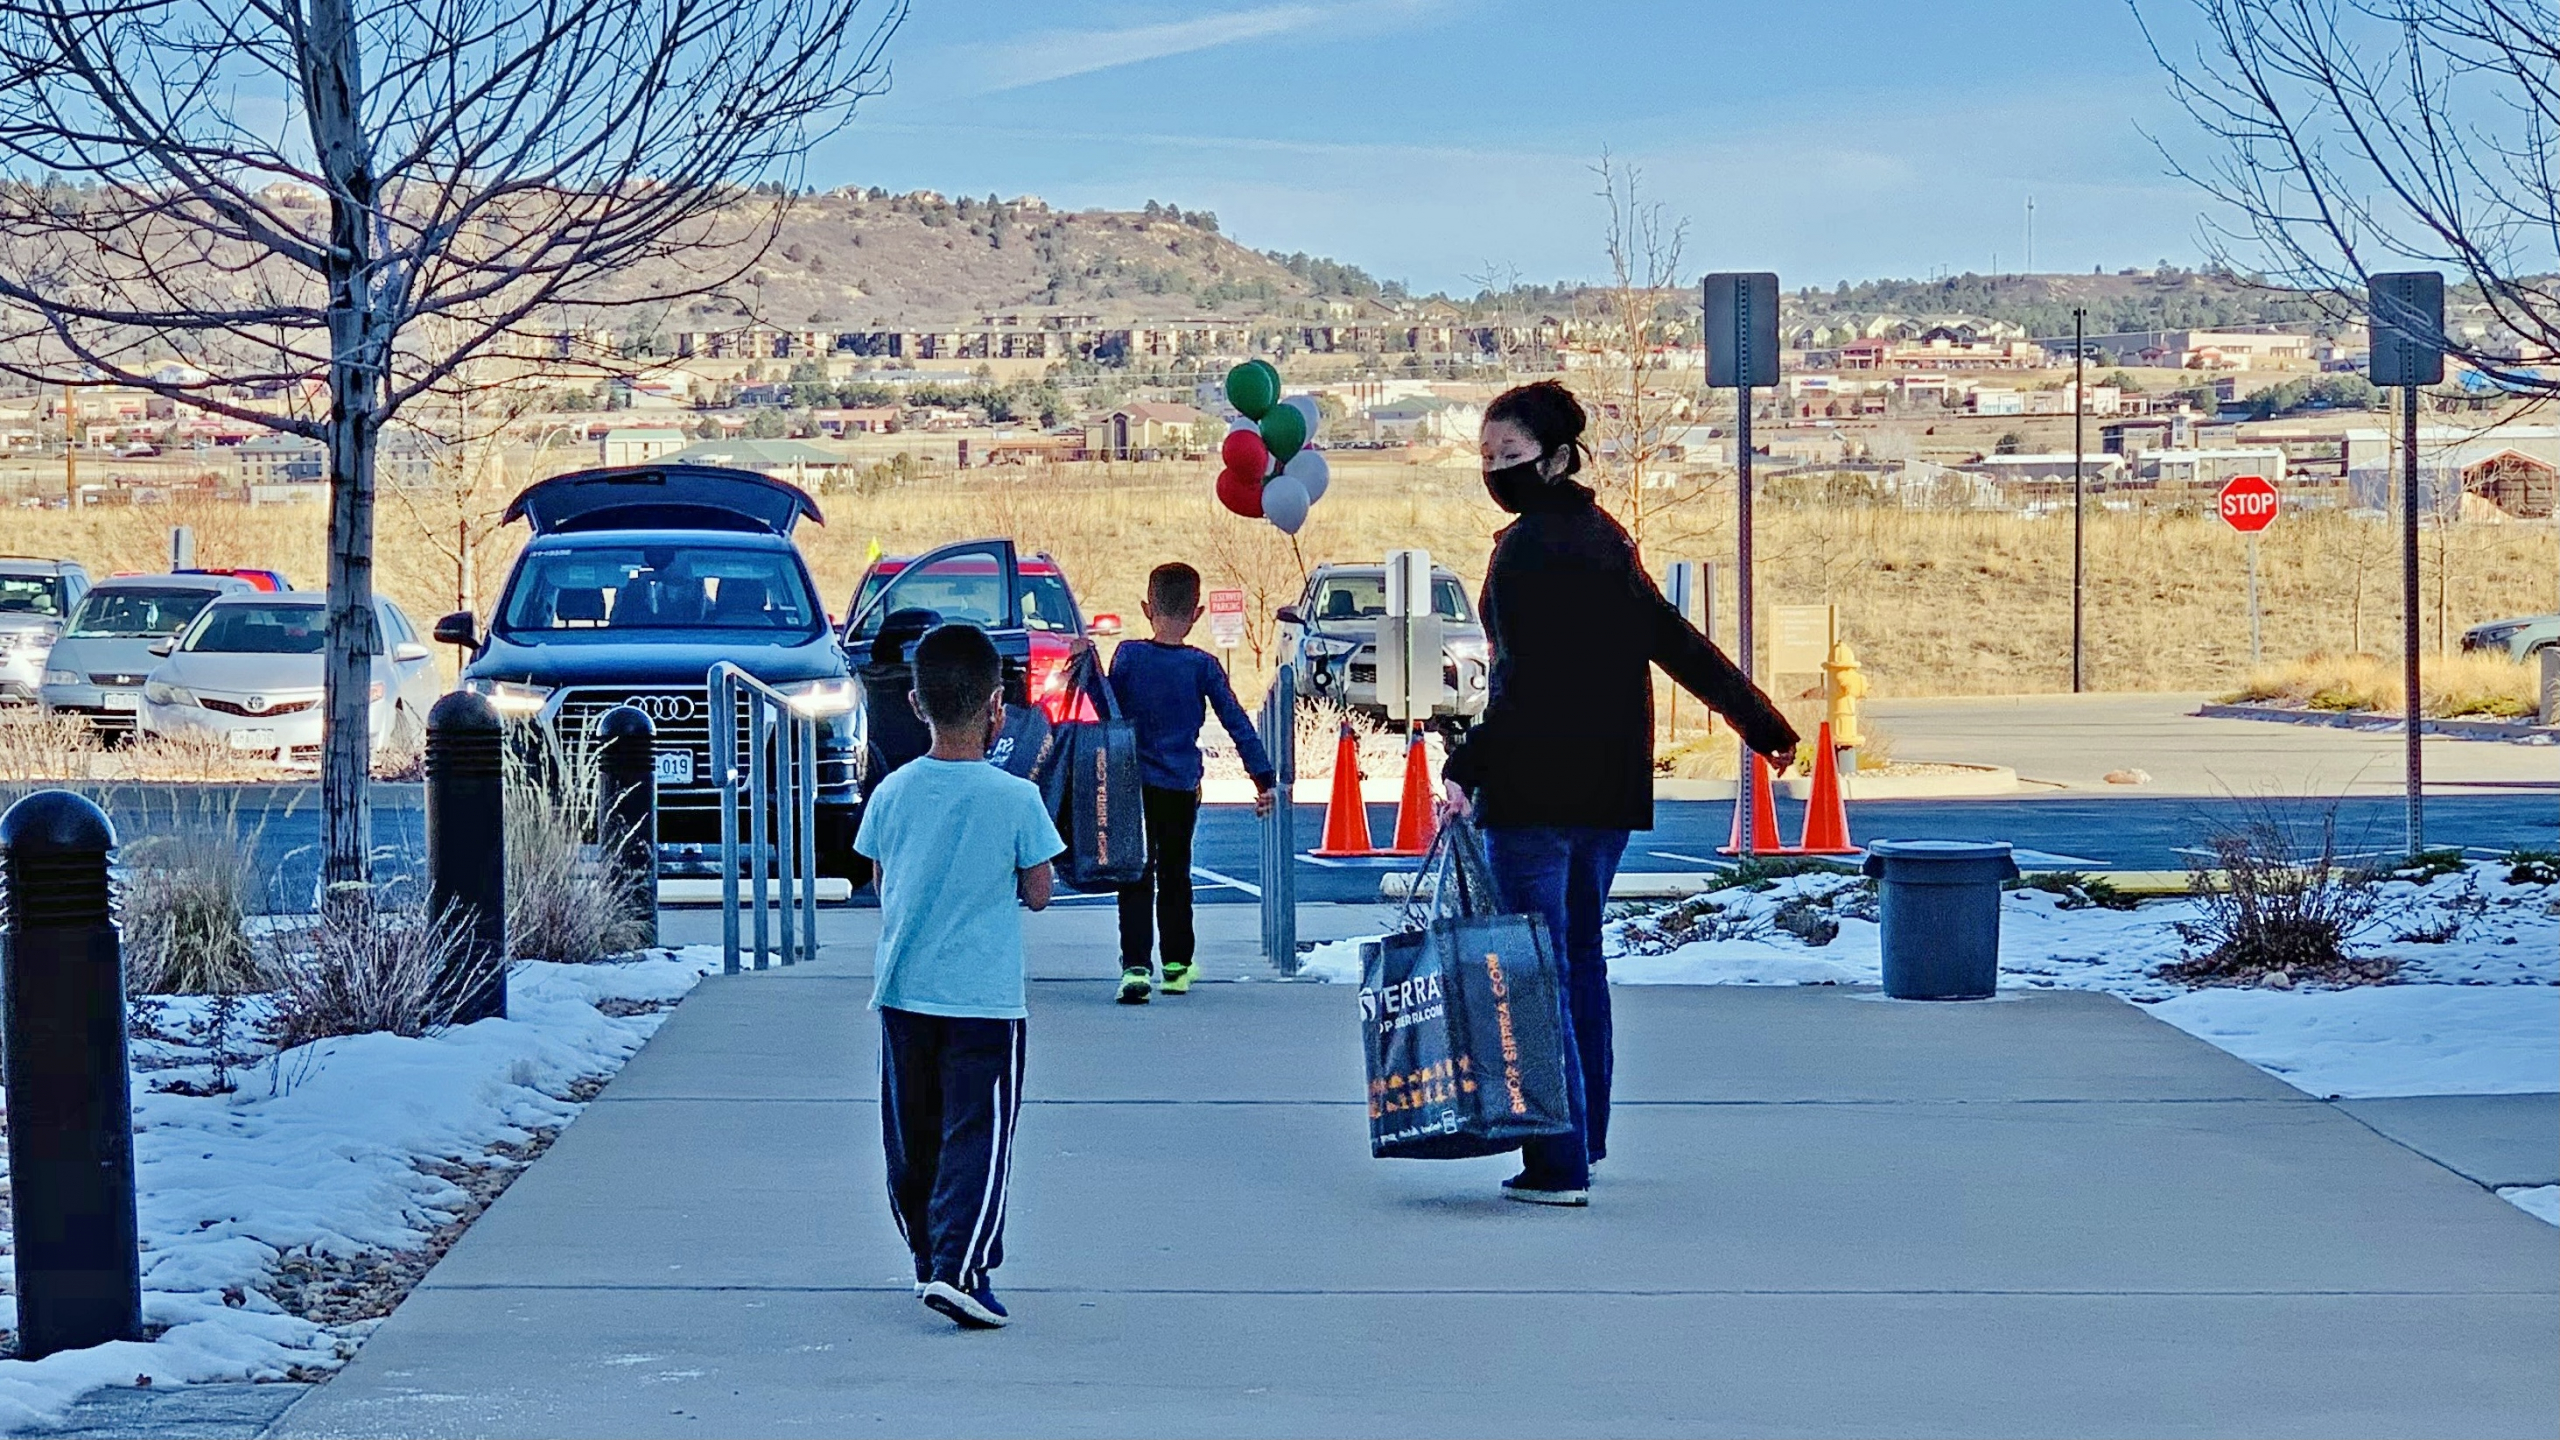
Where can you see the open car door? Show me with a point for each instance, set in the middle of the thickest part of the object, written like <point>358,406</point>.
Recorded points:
<point>975,580</point>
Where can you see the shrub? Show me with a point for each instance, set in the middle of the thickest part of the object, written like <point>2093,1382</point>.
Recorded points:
<point>2078,891</point>
<point>2270,905</point>
<point>185,907</point>
<point>562,904</point>
<point>2533,867</point>
<point>369,968</point>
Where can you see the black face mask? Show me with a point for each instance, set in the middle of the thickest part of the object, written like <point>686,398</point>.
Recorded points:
<point>1516,487</point>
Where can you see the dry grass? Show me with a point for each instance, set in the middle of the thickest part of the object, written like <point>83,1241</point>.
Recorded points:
<point>2473,684</point>
<point>562,904</point>
<point>35,748</point>
<point>1936,602</point>
<point>187,895</point>
<point>371,968</point>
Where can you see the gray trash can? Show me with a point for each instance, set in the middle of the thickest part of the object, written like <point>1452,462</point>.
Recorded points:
<point>1940,915</point>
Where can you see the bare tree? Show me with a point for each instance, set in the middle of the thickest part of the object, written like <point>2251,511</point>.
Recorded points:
<point>245,205</point>
<point>1637,320</point>
<point>2355,136</point>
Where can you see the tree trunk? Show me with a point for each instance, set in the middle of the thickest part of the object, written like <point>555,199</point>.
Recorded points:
<point>333,99</point>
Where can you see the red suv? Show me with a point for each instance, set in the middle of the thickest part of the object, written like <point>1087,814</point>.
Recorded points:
<point>962,582</point>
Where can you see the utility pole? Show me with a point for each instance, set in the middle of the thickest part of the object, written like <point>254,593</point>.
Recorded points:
<point>2079,489</point>
<point>70,447</point>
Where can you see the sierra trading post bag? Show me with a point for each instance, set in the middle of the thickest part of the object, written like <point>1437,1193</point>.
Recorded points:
<point>1462,1019</point>
<point>1089,777</point>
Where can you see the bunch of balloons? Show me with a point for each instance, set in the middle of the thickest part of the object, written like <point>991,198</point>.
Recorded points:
<point>1271,474</point>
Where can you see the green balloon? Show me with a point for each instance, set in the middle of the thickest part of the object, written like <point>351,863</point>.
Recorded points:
<point>1284,430</point>
<point>1253,388</point>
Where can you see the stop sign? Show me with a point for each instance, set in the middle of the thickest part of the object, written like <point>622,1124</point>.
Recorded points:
<point>2248,503</point>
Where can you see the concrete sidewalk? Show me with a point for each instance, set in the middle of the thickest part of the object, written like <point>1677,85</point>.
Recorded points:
<point>1824,1213</point>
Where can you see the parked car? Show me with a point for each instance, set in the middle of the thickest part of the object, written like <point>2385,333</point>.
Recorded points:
<point>1331,635</point>
<point>637,580</point>
<point>247,670</point>
<point>958,582</point>
<point>2521,639</point>
<point>36,596</point>
<point>103,655</point>
<point>257,579</point>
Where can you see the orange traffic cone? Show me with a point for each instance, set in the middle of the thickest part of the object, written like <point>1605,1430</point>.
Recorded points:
<point>1346,820</point>
<point>1826,816</point>
<point>1416,820</point>
<point>1765,839</point>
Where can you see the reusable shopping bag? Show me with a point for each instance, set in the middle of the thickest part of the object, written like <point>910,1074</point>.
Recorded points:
<point>1089,777</point>
<point>1462,1018</point>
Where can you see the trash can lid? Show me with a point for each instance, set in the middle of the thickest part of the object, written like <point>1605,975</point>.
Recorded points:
<point>1939,849</point>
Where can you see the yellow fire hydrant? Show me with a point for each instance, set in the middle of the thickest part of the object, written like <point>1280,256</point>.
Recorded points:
<point>1846,684</point>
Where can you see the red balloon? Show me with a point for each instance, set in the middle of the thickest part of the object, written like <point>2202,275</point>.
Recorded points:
<point>1241,493</point>
<point>1245,454</point>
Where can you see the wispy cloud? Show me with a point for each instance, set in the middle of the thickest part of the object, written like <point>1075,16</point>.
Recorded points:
<point>1058,54</point>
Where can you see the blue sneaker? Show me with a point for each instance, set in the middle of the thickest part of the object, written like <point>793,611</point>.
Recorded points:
<point>969,1309</point>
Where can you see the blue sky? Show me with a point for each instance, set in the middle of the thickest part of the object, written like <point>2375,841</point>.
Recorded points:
<point>1424,139</point>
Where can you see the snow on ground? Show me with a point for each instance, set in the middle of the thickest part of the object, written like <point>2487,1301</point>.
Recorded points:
<point>319,1150</point>
<point>2542,1202</point>
<point>2473,1010</point>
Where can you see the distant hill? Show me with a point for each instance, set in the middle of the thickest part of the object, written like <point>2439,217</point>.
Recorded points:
<point>868,258</point>
<point>2163,299</point>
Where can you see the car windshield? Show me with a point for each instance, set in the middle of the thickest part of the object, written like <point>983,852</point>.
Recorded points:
<point>658,587</point>
<point>1047,606</point>
<point>128,614</point>
<point>30,594</point>
<point>1364,597</point>
<point>259,630</point>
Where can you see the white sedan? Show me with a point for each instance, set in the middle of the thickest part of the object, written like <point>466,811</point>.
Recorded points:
<point>247,669</point>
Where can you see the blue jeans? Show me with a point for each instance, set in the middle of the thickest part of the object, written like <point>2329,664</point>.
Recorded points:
<point>1563,873</point>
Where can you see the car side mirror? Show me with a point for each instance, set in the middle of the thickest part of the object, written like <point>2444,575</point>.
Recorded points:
<point>458,629</point>
<point>1288,615</point>
<point>408,651</point>
<point>164,645</point>
<point>1104,626</point>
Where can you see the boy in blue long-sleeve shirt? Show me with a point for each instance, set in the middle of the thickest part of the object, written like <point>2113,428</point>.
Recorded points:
<point>1166,687</point>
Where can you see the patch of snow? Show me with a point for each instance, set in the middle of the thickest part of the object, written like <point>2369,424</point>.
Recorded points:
<point>2542,1202</point>
<point>2386,1039</point>
<point>319,1150</point>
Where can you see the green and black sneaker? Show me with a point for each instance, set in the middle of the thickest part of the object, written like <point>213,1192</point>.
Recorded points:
<point>1134,985</point>
<point>1177,978</point>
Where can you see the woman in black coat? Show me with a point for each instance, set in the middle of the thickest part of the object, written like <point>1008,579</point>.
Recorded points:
<point>1560,769</point>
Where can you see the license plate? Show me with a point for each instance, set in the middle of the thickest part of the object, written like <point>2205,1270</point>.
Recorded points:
<point>675,767</point>
<point>253,739</point>
<point>120,700</point>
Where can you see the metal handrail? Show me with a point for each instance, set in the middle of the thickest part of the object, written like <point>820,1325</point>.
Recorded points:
<point>781,777</point>
<point>1280,829</point>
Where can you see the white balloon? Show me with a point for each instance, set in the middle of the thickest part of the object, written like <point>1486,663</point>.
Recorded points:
<point>1240,423</point>
<point>1284,503</point>
<point>1306,405</point>
<point>1309,469</point>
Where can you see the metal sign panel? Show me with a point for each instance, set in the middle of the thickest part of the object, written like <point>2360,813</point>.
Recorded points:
<point>1742,328</point>
<point>2407,312</point>
<point>1409,658</point>
<point>1800,638</point>
<point>1226,618</point>
<point>2249,503</point>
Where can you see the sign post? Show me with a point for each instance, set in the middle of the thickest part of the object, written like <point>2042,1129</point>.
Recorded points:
<point>2249,505</point>
<point>2406,311</point>
<point>1226,624</point>
<point>1740,311</point>
<point>1680,587</point>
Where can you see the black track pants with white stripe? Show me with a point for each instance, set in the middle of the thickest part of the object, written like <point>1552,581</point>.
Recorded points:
<point>950,1091</point>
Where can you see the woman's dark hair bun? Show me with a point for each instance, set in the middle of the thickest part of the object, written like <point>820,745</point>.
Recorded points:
<point>1548,412</point>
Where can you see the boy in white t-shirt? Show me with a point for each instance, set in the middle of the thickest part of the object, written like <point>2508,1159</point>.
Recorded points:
<point>955,841</point>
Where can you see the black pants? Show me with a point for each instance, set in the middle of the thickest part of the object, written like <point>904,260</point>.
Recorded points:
<point>950,1090</point>
<point>1166,887</point>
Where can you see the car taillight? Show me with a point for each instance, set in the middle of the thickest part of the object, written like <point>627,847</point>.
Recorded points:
<point>1048,677</point>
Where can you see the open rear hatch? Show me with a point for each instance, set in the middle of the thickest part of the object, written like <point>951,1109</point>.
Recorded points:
<point>663,497</point>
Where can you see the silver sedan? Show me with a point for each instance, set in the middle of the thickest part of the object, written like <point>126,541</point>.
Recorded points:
<point>248,670</point>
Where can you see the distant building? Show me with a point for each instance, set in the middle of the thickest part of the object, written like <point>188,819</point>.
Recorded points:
<point>797,461</point>
<point>1150,430</point>
<point>639,446</point>
<point>1992,400</point>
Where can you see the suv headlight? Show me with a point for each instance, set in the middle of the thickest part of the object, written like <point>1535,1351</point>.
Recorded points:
<point>819,699</point>
<point>1328,649</point>
<point>512,699</point>
<point>1466,647</point>
<point>62,677</point>
<point>161,692</point>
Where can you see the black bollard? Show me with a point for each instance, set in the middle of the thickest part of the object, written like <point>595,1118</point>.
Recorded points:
<point>627,810</point>
<point>70,1101</point>
<point>467,844</point>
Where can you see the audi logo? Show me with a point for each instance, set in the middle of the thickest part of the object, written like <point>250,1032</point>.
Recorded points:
<point>666,708</point>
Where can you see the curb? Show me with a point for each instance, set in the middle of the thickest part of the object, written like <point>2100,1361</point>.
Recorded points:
<point>2514,732</point>
<point>1978,780</point>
